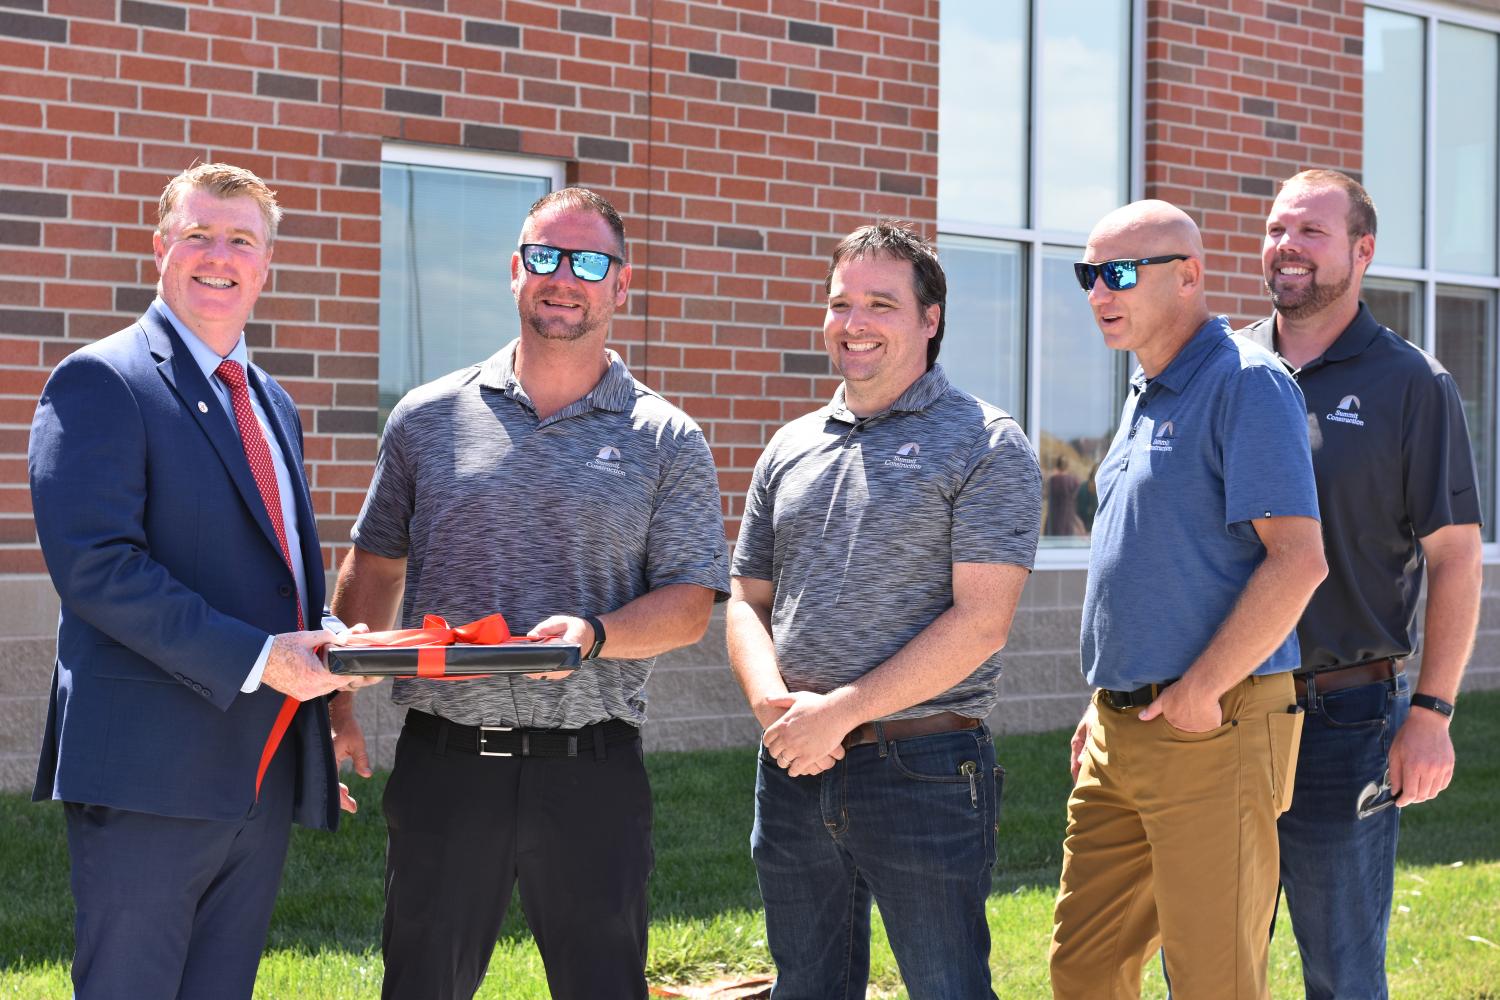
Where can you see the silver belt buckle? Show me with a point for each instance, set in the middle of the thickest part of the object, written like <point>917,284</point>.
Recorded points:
<point>483,734</point>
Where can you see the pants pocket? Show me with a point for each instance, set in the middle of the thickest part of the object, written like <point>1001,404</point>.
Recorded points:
<point>1286,743</point>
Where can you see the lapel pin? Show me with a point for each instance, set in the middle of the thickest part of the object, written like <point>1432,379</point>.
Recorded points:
<point>202,406</point>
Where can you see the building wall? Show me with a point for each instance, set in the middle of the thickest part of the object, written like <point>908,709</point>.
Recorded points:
<point>740,140</point>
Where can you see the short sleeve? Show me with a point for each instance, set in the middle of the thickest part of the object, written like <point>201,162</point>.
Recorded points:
<point>1266,458</point>
<point>686,542</point>
<point>997,515</point>
<point>384,522</point>
<point>1437,463</point>
<point>754,550</point>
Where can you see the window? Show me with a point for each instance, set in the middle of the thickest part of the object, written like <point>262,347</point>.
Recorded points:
<point>449,220</point>
<point>1036,143</point>
<point>1432,116</point>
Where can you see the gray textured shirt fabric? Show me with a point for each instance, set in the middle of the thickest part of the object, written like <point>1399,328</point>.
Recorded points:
<point>608,499</point>
<point>857,524</point>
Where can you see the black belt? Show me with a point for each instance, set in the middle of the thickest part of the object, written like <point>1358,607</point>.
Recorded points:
<point>1124,701</point>
<point>506,741</point>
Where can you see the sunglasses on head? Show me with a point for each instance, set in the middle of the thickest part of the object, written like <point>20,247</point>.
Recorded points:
<point>1118,275</point>
<point>587,265</point>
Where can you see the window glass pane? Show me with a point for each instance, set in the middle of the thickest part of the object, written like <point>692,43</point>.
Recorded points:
<point>984,335</point>
<point>984,64</point>
<point>1081,393</point>
<point>1397,304</point>
<point>1394,109</point>
<point>1084,90</point>
<point>446,236</point>
<point>1466,347</point>
<point>1465,169</point>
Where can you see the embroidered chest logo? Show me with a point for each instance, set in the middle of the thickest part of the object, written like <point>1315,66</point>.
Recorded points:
<point>1347,413</point>
<point>906,456</point>
<point>1166,433</point>
<point>608,460</point>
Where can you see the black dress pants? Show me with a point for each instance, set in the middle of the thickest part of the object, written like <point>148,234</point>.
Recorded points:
<point>575,832</point>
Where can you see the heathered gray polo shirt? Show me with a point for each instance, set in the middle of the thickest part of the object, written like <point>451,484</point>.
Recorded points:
<point>1390,449</point>
<point>609,498</point>
<point>1214,442</point>
<point>857,524</point>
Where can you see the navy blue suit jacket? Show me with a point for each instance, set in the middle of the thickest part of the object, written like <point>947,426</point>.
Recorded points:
<point>170,575</point>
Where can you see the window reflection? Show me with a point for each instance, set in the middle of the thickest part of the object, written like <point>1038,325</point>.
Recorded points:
<point>985,334</point>
<point>1464,318</point>
<point>984,65</point>
<point>1084,101</point>
<point>1396,304</point>
<point>446,239</point>
<point>1081,394</point>
<point>1467,66</point>
<point>1395,102</point>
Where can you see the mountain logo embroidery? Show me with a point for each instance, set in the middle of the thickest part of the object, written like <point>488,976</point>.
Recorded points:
<point>906,457</point>
<point>1347,413</point>
<point>1166,432</point>
<point>607,460</point>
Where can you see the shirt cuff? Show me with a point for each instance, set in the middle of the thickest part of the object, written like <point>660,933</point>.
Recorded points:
<point>252,681</point>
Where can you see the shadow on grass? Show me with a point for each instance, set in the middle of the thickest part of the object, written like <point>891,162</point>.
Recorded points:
<point>331,895</point>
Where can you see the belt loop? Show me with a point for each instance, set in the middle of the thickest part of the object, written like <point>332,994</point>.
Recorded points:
<point>880,738</point>
<point>599,751</point>
<point>440,745</point>
<point>1254,679</point>
<point>1312,693</point>
<point>525,743</point>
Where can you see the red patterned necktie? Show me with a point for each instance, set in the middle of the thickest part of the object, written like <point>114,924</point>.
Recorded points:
<point>232,374</point>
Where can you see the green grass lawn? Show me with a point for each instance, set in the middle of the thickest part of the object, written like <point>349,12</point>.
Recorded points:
<point>707,924</point>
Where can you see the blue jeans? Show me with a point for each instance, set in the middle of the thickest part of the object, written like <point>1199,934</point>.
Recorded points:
<point>1337,870</point>
<point>909,823</point>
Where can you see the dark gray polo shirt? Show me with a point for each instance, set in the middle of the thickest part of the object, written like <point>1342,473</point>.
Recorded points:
<point>1391,453</point>
<point>609,498</point>
<point>1211,444</point>
<point>857,523</point>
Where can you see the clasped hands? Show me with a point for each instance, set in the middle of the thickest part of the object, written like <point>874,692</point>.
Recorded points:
<point>804,731</point>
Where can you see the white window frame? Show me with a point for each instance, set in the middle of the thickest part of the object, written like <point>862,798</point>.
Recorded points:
<point>1033,240</point>
<point>1429,277</point>
<point>477,160</point>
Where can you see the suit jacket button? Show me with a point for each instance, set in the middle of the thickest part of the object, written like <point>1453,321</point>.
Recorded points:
<point>285,590</point>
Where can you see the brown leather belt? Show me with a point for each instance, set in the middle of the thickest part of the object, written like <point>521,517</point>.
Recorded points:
<point>1354,675</point>
<point>905,729</point>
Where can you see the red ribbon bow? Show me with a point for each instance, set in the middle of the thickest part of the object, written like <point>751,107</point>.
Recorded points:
<point>433,638</point>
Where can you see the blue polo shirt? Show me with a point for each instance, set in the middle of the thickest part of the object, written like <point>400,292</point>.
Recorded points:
<point>1216,440</point>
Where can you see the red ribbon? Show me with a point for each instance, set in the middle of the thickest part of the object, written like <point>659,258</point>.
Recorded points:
<point>433,638</point>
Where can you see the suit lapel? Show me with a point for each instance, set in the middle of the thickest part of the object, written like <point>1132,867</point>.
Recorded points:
<point>182,374</point>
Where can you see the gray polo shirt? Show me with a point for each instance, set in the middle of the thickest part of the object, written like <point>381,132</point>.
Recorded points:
<point>857,524</point>
<point>609,498</point>
<point>1215,441</point>
<point>1391,453</point>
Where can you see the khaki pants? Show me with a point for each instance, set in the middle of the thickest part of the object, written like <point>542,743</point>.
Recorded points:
<point>1171,844</point>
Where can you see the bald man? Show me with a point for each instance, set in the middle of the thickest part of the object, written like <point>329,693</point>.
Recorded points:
<point>1206,546</point>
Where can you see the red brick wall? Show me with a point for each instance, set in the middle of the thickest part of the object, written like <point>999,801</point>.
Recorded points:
<point>739,139</point>
<point>1241,94</point>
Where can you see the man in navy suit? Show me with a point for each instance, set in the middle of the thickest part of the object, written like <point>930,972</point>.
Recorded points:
<point>171,508</point>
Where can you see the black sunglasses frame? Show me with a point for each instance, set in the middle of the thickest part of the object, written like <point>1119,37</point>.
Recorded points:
<point>1087,273</point>
<point>572,260</point>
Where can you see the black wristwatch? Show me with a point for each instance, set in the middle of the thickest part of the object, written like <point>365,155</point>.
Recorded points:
<point>1433,704</point>
<point>598,628</point>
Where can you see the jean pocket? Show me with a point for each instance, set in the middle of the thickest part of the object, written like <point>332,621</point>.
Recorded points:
<point>1366,706</point>
<point>1286,744</point>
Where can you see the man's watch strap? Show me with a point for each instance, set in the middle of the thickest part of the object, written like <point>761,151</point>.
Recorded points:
<point>598,645</point>
<point>1433,704</point>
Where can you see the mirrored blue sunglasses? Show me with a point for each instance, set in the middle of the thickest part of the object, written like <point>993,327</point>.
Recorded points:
<point>587,265</point>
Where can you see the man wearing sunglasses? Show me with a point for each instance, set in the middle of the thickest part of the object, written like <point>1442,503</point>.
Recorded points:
<point>1206,547</point>
<point>548,485</point>
<point>1397,484</point>
<point>885,542</point>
